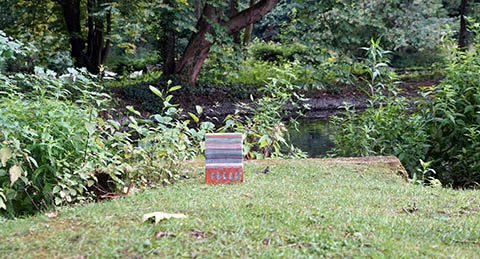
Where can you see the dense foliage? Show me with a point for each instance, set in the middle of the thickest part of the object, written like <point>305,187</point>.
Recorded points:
<point>61,142</point>
<point>438,139</point>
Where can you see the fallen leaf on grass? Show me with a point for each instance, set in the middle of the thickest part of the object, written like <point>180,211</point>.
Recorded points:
<point>158,216</point>
<point>164,234</point>
<point>194,254</point>
<point>197,233</point>
<point>51,214</point>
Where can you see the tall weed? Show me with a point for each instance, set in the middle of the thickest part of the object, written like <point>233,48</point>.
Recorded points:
<point>439,137</point>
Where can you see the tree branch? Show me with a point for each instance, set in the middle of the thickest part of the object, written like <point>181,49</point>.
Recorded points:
<point>249,16</point>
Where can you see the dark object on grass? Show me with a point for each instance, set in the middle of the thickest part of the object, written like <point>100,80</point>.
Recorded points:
<point>265,171</point>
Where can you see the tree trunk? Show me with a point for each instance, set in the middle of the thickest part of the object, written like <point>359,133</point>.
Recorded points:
<point>96,47</point>
<point>71,12</point>
<point>198,46</point>
<point>168,42</point>
<point>248,31</point>
<point>198,11</point>
<point>106,49</point>
<point>169,53</point>
<point>233,12</point>
<point>462,38</point>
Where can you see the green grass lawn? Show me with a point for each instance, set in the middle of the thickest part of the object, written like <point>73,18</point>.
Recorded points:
<point>305,208</point>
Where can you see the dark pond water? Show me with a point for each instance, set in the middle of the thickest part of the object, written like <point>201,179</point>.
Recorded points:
<point>313,136</point>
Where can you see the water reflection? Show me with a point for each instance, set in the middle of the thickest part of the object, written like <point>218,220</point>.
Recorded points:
<point>313,136</point>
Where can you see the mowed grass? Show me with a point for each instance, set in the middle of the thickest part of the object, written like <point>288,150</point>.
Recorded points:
<point>303,208</point>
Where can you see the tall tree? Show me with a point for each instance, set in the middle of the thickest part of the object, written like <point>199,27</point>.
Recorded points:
<point>248,30</point>
<point>91,52</point>
<point>233,12</point>
<point>203,39</point>
<point>462,37</point>
<point>168,39</point>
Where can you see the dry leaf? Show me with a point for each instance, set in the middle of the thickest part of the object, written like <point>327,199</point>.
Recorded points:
<point>162,215</point>
<point>5,154</point>
<point>51,214</point>
<point>15,172</point>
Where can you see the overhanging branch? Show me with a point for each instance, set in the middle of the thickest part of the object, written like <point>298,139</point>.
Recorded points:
<point>249,16</point>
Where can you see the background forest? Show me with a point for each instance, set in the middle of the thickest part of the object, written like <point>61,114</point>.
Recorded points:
<point>100,96</point>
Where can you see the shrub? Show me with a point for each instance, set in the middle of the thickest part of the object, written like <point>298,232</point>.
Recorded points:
<point>454,119</point>
<point>47,139</point>
<point>264,131</point>
<point>275,52</point>
<point>11,51</point>
<point>439,138</point>
<point>142,58</point>
<point>54,146</point>
<point>161,143</point>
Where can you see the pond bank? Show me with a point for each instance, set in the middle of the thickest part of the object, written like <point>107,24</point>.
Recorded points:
<point>323,103</point>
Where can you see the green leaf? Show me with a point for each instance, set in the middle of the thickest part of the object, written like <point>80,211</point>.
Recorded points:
<point>115,124</point>
<point>15,172</point>
<point>56,189</point>
<point>175,88</point>
<point>468,108</point>
<point>5,154</point>
<point>194,117</point>
<point>199,109</point>
<point>155,90</point>
<point>90,128</point>
<point>130,108</point>
<point>263,141</point>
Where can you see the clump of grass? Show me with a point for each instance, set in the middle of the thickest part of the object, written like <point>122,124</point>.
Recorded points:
<point>301,208</point>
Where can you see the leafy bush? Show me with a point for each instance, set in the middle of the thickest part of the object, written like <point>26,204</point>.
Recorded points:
<point>142,58</point>
<point>415,58</point>
<point>454,118</point>
<point>264,131</point>
<point>47,140</point>
<point>320,69</point>
<point>444,132</point>
<point>161,142</point>
<point>140,93</point>
<point>55,147</point>
<point>10,51</point>
<point>275,52</point>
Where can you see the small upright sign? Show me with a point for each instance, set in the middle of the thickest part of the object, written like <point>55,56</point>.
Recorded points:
<point>223,158</point>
